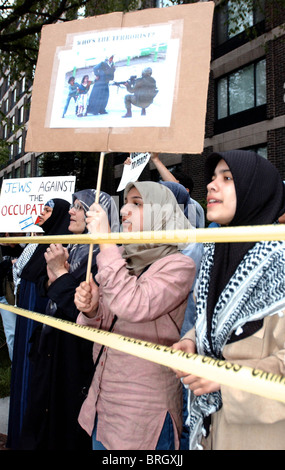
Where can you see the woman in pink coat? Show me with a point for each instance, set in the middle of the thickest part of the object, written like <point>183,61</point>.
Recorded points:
<point>136,404</point>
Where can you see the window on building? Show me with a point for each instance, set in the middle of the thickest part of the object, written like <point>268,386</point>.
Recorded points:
<point>235,16</point>
<point>8,82</point>
<point>38,169</point>
<point>13,120</point>
<point>241,90</point>
<point>261,150</point>
<point>164,3</point>
<point>21,115</point>
<point>23,84</point>
<point>11,153</point>
<point>20,144</point>
<point>17,172</point>
<point>27,169</point>
<point>5,131</point>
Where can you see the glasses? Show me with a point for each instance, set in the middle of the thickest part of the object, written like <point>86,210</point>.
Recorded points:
<point>77,207</point>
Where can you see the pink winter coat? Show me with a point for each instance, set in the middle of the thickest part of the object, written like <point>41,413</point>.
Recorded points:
<point>131,395</point>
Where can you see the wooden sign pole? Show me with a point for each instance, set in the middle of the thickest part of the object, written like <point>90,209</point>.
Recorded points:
<point>99,180</point>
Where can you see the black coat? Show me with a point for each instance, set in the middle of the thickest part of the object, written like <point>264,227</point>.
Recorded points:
<point>62,371</point>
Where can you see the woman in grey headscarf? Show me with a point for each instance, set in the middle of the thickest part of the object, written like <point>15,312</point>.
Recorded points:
<point>134,403</point>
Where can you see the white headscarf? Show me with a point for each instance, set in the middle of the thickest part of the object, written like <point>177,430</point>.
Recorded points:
<point>160,212</point>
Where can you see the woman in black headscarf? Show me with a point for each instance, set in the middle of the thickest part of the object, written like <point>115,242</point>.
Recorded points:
<point>63,364</point>
<point>27,271</point>
<point>240,308</point>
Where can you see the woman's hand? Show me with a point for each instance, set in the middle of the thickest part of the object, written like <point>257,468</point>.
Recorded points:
<point>51,277</point>
<point>56,257</point>
<point>86,298</point>
<point>198,385</point>
<point>97,220</point>
<point>154,156</point>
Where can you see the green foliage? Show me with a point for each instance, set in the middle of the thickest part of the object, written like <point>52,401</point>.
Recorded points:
<point>21,22</point>
<point>4,152</point>
<point>182,2</point>
<point>109,6</point>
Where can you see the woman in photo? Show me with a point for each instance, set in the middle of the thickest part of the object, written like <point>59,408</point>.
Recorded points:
<point>83,96</point>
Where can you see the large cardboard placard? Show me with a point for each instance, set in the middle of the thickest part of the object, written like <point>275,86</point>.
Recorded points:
<point>172,44</point>
<point>23,199</point>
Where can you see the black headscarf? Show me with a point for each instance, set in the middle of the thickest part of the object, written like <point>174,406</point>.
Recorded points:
<point>56,224</point>
<point>260,201</point>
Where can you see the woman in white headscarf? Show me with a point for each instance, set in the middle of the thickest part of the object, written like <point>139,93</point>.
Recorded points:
<point>133,403</point>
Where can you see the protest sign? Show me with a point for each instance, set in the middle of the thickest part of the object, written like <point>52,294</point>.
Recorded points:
<point>22,200</point>
<point>86,87</point>
<point>132,171</point>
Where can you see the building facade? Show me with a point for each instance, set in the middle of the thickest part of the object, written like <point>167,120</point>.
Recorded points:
<point>15,105</point>
<point>245,108</point>
<point>246,98</point>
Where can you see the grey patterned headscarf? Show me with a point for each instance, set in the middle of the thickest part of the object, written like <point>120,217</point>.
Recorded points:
<point>78,254</point>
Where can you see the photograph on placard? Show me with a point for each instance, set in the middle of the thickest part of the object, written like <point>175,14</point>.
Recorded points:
<point>117,78</point>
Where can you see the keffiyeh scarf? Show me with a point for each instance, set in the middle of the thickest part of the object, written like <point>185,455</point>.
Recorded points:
<point>255,291</point>
<point>19,265</point>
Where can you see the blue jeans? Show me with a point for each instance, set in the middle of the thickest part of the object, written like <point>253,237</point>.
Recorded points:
<point>165,441</point>
<point>9,324</point>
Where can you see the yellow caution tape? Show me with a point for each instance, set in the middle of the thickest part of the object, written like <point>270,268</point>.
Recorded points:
<point>201,235</point>
<point>264,384</point>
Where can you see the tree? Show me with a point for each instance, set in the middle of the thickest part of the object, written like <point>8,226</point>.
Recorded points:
<point>22,20</point>
<point>4,152</point>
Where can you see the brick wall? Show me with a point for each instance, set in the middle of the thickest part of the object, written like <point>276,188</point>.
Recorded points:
<point>193,165</point>
<point>275,13</point>
<point>279,75</point>
<point>275,70</point>
<point>276,149</point>
<point>276,101</point>
<point>210,116</point>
